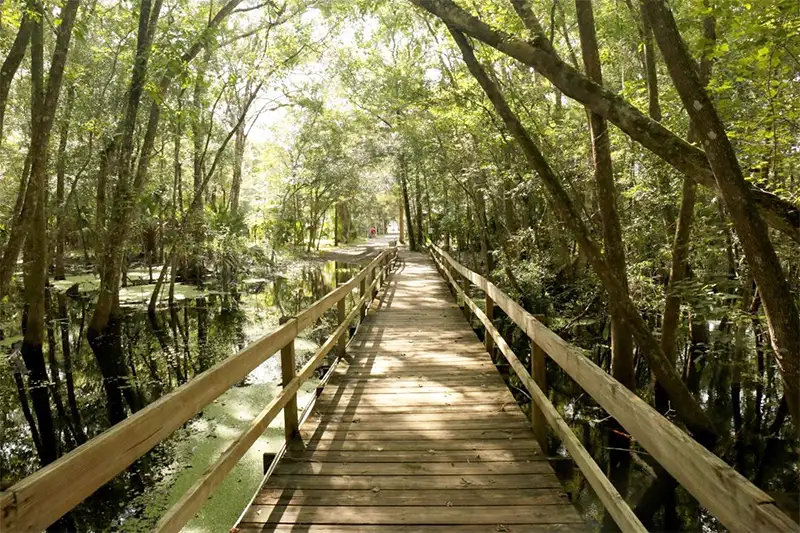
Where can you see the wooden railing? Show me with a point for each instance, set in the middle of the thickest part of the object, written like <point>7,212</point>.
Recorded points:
<point>730,497</point>
<point>41,499</point>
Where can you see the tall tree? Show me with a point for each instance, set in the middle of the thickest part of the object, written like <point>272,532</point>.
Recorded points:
<point>782,315</point>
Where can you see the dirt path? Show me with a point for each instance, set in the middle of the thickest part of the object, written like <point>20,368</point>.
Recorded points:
<point>358,252</point>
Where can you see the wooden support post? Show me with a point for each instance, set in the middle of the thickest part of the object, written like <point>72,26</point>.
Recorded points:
<point>340,316</point>
<point>539,375</point>
<point>465,287</point>
<point>291,426</point>
<point>362,288</point>
<point>487,338</point>
<point>376,272</point>
<point>268,457</point>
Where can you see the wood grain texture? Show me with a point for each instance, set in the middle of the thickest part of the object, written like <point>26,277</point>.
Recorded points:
<point>416,431</point>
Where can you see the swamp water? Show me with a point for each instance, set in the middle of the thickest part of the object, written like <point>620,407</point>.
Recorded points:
<point>160,354</point>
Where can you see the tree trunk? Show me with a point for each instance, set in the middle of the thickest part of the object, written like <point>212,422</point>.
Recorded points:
<point>782,315</point>
<point>687,407</point>
<point>44,101</point>
<point>16,235</point>
<point>61,169</point>
<point>412,239</point>
<point>401,226</point>
<point>238,160</point>
<point>420,237</point>
<point>13,60</point>
<point>622,367</point>
<point>621,342</point>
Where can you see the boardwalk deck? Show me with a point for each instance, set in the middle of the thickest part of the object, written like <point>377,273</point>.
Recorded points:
<point>415,432</point>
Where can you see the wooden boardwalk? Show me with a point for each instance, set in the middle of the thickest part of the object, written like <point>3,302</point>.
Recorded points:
<point>415,432</point>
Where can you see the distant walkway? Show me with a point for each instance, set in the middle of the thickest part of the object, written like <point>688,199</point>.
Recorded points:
<point>358,252</point>
<point>416,432</point>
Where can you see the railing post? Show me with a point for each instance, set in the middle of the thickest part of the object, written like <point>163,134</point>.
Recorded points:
<point>539,375</point>
<point>375,273</point>
<point>465,288</point>
<point>291,426</point>
<point>362,288</point>
<point>340,316</point>
<point>487,337</point>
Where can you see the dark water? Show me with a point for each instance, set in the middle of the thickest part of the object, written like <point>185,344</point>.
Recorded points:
<point>761,449</point>
<point>160,352</point>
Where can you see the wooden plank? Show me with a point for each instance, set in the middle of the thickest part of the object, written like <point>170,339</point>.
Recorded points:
<point>544,514</point>
<point>372,420</point>
<point>328,407</point>
<point>429,455</point>
<point>428,434</point>
<point>462,468</point>
<point>469,389</point>
<point>455,498</point>
<point>422,398</point>
<point>411,426</point>
<point>410,445</point>
<point>247,527</point>
<point>741,506</point>
<point>520,481</point>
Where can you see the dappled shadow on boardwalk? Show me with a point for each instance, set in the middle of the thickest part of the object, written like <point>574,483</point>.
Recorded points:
<point>415,432</point>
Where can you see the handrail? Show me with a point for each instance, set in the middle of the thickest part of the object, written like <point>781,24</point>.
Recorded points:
<point>186,507</point>
<point>39,500</point>
<point>730,497</point>
<point>613,501</point>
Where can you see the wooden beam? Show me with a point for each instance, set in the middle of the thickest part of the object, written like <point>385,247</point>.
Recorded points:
<point>729,496</point>
<point>291,427</point>
<point>538,371</point>
<point>487,339</point>
<point>340,316</point>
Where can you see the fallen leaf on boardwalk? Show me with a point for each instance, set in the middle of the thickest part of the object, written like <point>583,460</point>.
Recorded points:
<point>376,489</point>
<point>501,527</point>
<point>380,449</point>
<point>431,451</point>
<point>466,481</point>
<point>449,504</point>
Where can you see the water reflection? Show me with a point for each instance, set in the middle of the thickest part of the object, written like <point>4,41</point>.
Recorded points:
<point>757,438</point>
<point>160,351</point>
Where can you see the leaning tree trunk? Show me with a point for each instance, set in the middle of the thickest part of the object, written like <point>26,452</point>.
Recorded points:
<point>621,342</point>
<point>683,226</point>
<point>687,407</point>
<point>782,315</point>
<point>622,367</point>
<point>14,58</point>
